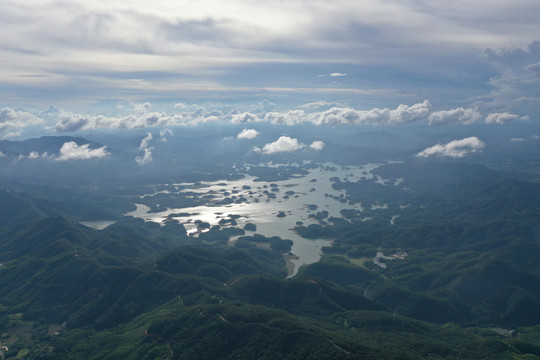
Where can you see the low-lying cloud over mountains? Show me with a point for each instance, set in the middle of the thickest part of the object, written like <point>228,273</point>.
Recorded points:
<point>139,116</point>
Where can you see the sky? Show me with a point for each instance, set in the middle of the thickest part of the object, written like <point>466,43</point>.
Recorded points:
<point>67,66</point>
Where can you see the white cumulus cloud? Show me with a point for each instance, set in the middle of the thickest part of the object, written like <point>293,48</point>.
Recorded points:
<point>454,149</point>
<point>141,108</point>
<point>244,118</point>
<point>403,114</point>
<point>288,118</point>
<point>138,118</point>
<point>406,114</point>
<point>73,122</point>
<point>248,134</point>
<point>317,145</point>
<point>71,151</point>
<point>12,121</point>
<point>36,155</point>
<point>500,118</point>
<point>457,115</point>
<point>283,144</point>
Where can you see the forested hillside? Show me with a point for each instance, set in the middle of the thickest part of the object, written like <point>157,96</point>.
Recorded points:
<point>449,278</point>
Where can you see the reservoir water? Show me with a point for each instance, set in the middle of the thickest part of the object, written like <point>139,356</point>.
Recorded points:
<point>260,203</point>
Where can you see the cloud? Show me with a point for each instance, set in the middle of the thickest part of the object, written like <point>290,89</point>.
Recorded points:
<point>334,74</point>
<point>68,122</point>
<point>248,134</point>
<point>145,141</point>
<point>517,139</point>
<point>88,47</point>
<point>319,106</point>
<point>164,133</point>
<point>145,146</point>
<point>36,155</point>
<point>323,113</point>
<point>318,113</point>
<point>215,112</point>
<point>141,108</point>
<point>180,106</point>
<point>72,122</point>
<point>337,116</point>
<point>458,115</point>
<point>534,68</point>
<point>288,144</point>
<point>327,113</point>
<point>517,79</point>
<point>146,158</point>
<point>12,121</point>
<point>244,117</point>
<point>288,118</point>
<point>137,119</point>
<point>265,106</point>
<point>454,149</point>
<point>209,119</point>
<point>2,154</point>
<point>283,144</point>
<point>407,114</point>
<point>71,151</point>
<point>500,118</point>
<point>317,145</point>
<point>403,114</point>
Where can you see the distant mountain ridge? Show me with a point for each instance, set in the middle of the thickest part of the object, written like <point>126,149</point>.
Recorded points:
<point>20,207</point>
<point>48,144</point>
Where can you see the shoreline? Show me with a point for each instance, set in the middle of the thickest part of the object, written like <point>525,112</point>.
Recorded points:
<point>289,264</point>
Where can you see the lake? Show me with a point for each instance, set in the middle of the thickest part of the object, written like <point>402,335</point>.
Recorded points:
<point>260,203</point>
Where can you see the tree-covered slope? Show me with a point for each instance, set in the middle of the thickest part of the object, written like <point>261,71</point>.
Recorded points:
<point>459,261</point>
<point>471,243</point>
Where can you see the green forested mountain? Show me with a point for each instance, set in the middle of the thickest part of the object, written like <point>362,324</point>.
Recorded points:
<point>465,273</point>
<point>472,248</point>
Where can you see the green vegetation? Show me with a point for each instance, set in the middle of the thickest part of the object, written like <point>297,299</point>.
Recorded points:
<point>457,276</point>
<point>470,244</point>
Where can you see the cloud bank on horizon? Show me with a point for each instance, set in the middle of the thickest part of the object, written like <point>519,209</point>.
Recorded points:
<point>13,123</point>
